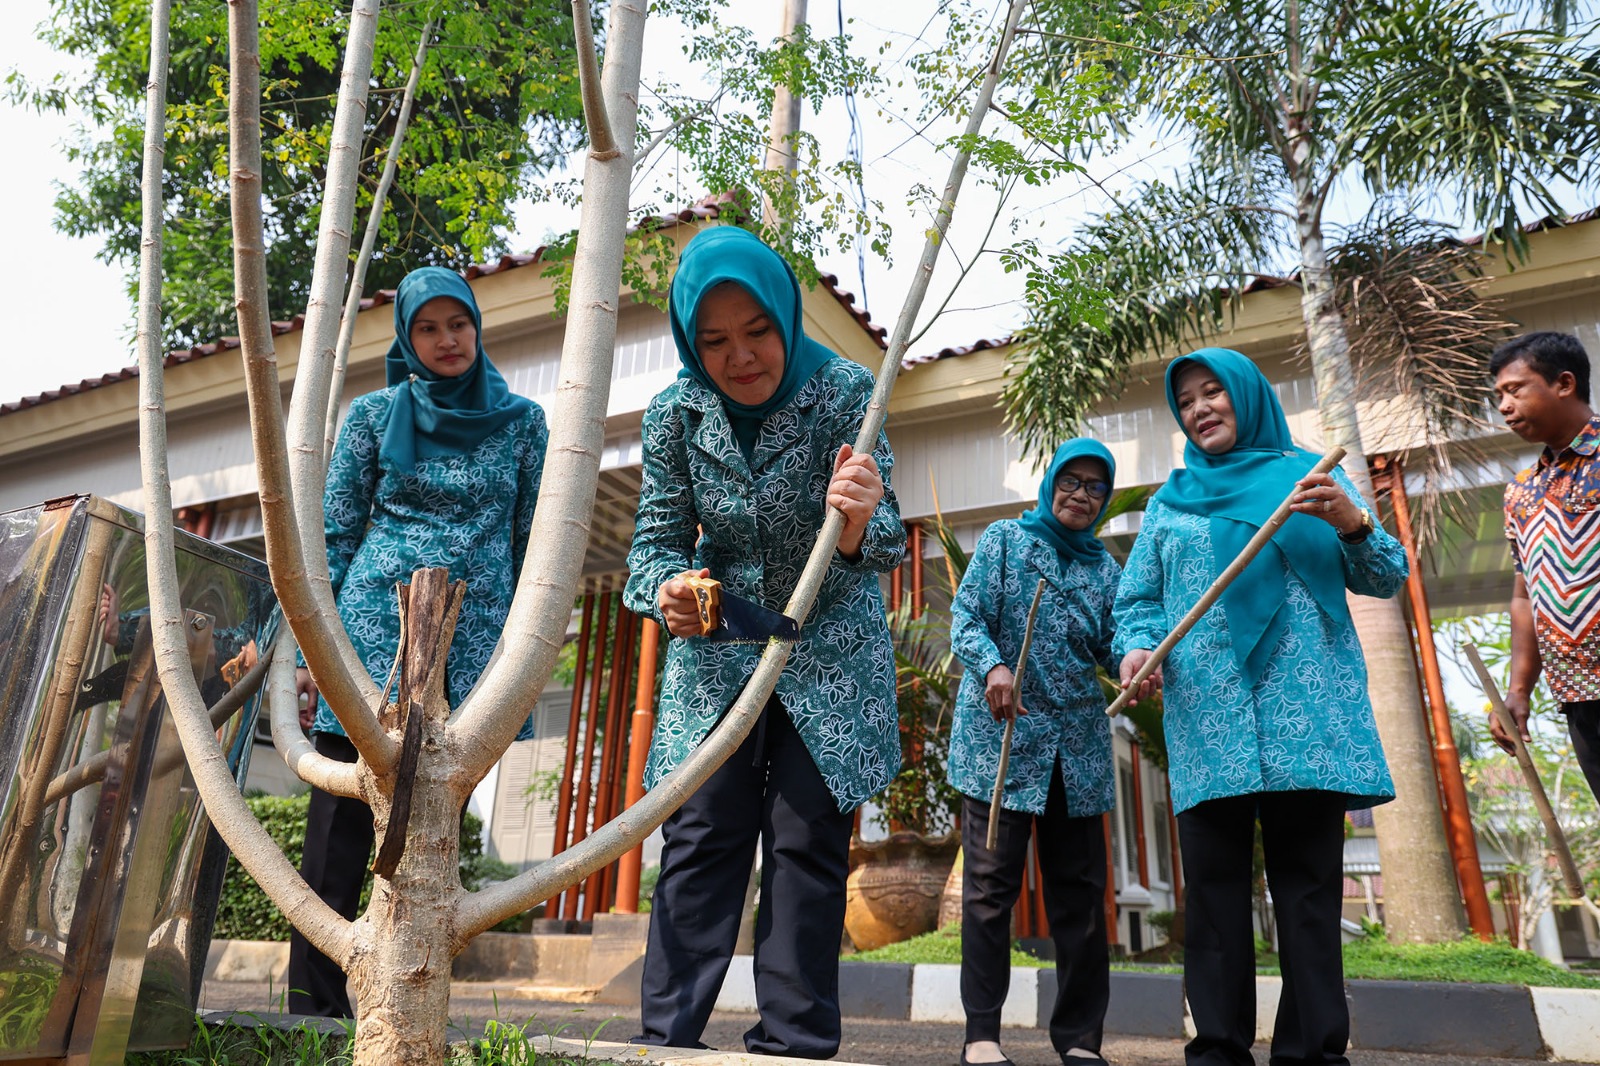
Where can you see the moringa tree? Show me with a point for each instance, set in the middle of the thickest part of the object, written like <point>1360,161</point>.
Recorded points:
<point>1283,102</point>
<point>419,757</point>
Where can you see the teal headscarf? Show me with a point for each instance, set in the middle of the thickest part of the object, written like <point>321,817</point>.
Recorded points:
<point>727,253</point>
<point>1238,490</point>
<point>432,415</point>
<point>1079,545</point>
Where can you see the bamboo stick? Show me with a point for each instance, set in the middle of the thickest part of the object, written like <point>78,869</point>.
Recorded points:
<point>1220,585</point>
<point>993,837</point>
<point>1530,773</point>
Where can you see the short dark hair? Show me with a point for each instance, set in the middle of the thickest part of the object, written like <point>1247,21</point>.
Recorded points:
<point>1549,353</point>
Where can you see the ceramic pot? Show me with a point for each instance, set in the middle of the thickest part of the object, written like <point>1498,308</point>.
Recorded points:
<point>894,887</point>
<point>950,901</point>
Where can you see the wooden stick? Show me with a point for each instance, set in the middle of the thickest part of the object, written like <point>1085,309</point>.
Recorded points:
<point>1220,585</point>
<point>1530,773</point>
<point>1011,723</point>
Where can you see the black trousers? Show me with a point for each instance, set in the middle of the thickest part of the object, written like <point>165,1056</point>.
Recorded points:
<point>770,789</point>
<point>334,863</point>
<point>1072,856</point>
<point>1583,723</point>
<point>1303,837</point>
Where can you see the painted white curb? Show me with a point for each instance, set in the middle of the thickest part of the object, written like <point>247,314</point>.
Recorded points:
<point>936,995</point>
<point>1569,1022</point>
<point>1269,990</point>
<point>739,987</point>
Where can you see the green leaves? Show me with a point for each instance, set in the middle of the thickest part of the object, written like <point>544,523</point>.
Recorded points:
<point>1168,264</point>
<point>1282,100</point>
<point>497,108</point>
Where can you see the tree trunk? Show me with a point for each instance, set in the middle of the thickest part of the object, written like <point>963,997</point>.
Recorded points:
<point>400,955</point>
<point>1421,901</point>
<point>785,124</point>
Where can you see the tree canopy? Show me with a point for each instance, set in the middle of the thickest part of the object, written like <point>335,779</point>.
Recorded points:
<point>1411,108</point>
<point>497,109</point>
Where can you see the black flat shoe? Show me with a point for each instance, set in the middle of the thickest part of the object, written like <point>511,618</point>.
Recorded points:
<point>1002,1061</point>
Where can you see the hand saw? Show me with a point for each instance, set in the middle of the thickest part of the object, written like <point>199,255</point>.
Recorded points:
<point>729,619</point>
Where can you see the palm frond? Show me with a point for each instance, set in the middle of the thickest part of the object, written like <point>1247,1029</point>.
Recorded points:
<point>1165,267</point>
<point>1421,331</point>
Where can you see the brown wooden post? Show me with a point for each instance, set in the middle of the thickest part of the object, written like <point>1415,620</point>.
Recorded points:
<point>615,803</point>
<point>916,569</point>
<point>604,635</point>
<point>564,794</point>
<point>644,726</point>
<point>1177,855</point>
<point>1446,760</point>
<point>1141,850</point>
<point>1041,920</point>
<point>1513,905</point>
<point>1022,910</point>
<point>1111,884</point>
<point>896,586</point>
<point>597,883</point>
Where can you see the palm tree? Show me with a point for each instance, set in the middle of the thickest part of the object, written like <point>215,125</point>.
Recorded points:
<point>1411,102</point>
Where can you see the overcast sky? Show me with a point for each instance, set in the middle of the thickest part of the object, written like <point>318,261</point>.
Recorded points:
<point>90,320</point>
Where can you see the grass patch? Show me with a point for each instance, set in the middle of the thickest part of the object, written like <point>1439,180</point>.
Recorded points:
<point>942,946</point>
<point>1467,961</point>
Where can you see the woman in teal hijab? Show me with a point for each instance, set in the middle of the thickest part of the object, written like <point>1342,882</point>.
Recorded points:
<point>1059,779</point>
<point>743,456</point>
<point>450,402</point>
<point>1265,701</point>
<point>441,468</point>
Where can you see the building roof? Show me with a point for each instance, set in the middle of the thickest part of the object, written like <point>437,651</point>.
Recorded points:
<point>709,208</point>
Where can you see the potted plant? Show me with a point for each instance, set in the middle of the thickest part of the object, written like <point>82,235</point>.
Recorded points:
<point>896,883</point>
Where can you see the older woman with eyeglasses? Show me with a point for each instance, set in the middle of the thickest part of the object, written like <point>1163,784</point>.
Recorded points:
<point>1059,777</point>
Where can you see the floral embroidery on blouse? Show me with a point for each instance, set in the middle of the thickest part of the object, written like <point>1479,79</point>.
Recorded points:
<point>756,524</point>
<point>469,513</point>
<point>1307,723</point>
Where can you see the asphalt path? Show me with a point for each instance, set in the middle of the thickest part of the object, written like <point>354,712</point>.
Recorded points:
<point>889,1043</point>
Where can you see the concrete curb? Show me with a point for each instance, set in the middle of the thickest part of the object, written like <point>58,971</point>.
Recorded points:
<point>1420,1016</point>
<point>260,961</point>
<point>1431,1017</point>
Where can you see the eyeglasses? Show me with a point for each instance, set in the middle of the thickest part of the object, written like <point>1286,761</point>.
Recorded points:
<point>1097,490</point>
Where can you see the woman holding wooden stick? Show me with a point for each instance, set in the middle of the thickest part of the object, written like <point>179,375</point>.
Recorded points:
<point>1266,708</point>
<point>743,456</point>
<point>1059,774</point>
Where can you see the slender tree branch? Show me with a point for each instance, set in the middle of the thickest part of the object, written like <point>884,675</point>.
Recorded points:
<point>299,562</point>
<point>1274,133</point>
<point>479,910</point>
<point>283,709</point>
<point>602,142</point>
<point>677,124</point>
<point>369,242</point>
<point>257,852</point>
<point>966,268</point>
<point>507,690</point>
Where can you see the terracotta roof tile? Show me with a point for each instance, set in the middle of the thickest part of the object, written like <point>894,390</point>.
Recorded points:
<point>708,208</point>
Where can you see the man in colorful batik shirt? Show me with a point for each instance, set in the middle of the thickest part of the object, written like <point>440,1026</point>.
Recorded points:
<point>1541,385</point>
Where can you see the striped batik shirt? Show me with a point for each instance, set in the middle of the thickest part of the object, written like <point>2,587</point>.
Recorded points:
<point>1553,524</point>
